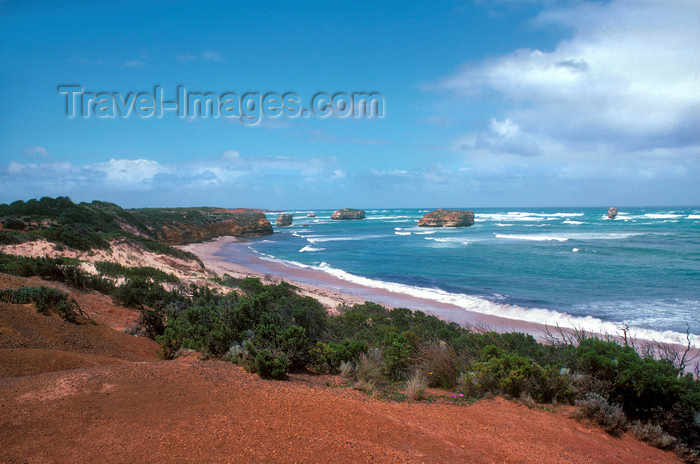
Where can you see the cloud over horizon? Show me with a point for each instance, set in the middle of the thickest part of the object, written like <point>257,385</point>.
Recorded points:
<point>228,172</point>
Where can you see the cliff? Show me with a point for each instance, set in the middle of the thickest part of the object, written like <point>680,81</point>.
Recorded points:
<point>88,226</point>
<point>242,223</point>
<point>284,220</point>
<point>447,218</point>
<point>348,213</point>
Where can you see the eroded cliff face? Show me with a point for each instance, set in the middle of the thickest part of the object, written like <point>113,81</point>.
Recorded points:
<point>447,218</point>
<point>348,213</point>
<point>237,223</point>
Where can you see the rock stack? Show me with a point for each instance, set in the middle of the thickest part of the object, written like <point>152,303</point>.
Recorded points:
<point>284,220</point>
<point>447,218</point>
<point>612,212</point>
<point>348,213</point>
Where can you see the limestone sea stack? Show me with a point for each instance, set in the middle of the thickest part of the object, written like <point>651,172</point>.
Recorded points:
<point>447,218</point>
<point>311,215</point>
<point>284,220</point>
<point>612,212</point>
<point>348,213</point>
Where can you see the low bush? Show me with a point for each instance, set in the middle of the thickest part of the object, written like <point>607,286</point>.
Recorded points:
<point>237,354</point>
<point>653,434</point>
<point>152,322</point>
<point>514,375</point>
<point>597,409</point>
<point>13,224</point>
<point>397,355</point>
<point>269,366</point>
<point>76,236</point>
<point>138,272</point>
<point>46,299</point>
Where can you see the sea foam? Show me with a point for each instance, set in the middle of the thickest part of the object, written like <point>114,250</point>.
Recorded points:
<point>483,306</point>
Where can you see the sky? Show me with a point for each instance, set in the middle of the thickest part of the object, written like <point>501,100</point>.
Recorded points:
<point>485,103</point>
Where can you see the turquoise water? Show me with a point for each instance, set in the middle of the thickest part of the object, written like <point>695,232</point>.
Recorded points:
<point>571,266</point>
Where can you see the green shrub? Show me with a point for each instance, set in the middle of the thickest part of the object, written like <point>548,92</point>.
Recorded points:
<point>46,299</point>
<point>11,237</point>
<point>327,357</point>
<point>152,322</point>
<point>13,223</point>
<point>137,272</point>
<point>647,389</point>
<point>76,236</point>
<point>397,356</point>
<point>139,293</point>
<point>514,375</point>
<point>294,343</point>
<point>269,366</point>
<point>237,354</point>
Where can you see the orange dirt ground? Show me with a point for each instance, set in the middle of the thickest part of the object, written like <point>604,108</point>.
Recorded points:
<point>90,393</point>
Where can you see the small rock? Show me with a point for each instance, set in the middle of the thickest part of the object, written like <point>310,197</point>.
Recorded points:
<point>284,220</point>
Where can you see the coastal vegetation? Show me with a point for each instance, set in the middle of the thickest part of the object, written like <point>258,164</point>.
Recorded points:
<point>88,226</point>
<point>272,331</point>
<point>617,382</point>
<point>46,299</point>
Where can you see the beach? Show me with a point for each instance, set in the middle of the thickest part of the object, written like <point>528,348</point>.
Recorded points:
<point>230,255</point>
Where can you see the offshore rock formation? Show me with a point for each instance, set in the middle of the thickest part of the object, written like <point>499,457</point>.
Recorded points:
<point>349,213</point>
<point>612,212</point>
<point>237,222</point>
<point>284,220</point>
<point>311,215</point>
<point>447,218</point>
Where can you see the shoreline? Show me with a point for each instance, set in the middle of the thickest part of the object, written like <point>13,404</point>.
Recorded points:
<point>333,291</point>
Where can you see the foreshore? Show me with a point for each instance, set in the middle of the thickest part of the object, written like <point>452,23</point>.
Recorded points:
<point>230,255</point>
<point>239,262</point>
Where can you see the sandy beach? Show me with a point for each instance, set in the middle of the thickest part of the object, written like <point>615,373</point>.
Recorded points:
<point>230,255</point>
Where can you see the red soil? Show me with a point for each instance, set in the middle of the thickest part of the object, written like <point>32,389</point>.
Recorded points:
<point>112,402</point>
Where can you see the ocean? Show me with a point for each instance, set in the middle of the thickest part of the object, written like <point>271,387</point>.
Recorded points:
<point>568,266</point>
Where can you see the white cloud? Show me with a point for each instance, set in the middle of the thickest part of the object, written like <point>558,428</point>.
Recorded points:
<point>129,171</point>
<point>626,81</point>
<point>506,128</point>
<point>229,172</point>
<point>60,168</point>
<point>36,150</point>
<point>210,55</point>
<point>207,55</point>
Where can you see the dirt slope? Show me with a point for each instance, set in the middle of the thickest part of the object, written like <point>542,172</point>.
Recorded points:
<point>210,411</point>
<point>90,393</point>
<point>32,343</point>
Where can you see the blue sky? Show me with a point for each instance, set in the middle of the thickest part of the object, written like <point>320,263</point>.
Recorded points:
<point>505,103</point>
